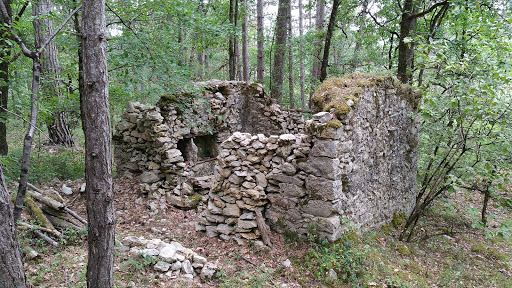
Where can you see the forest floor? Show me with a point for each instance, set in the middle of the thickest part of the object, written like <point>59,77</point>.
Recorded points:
<point>445,252</point>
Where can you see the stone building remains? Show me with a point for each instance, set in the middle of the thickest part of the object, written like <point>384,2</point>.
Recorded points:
<point>232,148</point>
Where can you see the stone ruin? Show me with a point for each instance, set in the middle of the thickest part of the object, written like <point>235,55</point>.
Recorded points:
<point>252,163</point>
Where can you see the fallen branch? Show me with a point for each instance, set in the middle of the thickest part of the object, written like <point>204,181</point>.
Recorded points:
<point>33,227</point>
<point>265,231</point>
<point>73,213</point>
<point>47,200</point>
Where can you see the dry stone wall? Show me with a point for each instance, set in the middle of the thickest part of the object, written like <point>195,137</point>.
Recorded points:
<point>353,164</point>
<point>174,142</point>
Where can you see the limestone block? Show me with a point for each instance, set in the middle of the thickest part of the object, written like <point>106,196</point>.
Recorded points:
<point>162,266</point>
<point>331,225</point>
<point>288,168</point>
<point>261,180</point>
<point>322,117</point>
<point>149,177</point>
<point>292,190</point>
<point>225,229</point>
<point>325,148</point>
<point>318,208</point>
<point>322,167</point>
<point>231,210</point>
<point>323,189</point>
<point>282,178</point>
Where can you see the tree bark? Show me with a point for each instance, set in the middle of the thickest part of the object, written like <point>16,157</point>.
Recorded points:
<point>12,274</point>
<point>27,142</point>
<point>51,88</point>
<point>232,43</point>
<point>315,70</point>
<point>280,50</point>
<point>328,36</point>
<point>98,154</point>
<point>290,59</point>
<point>301,56</point>
<point>245,43</point>
<point>261,40</point>
<point>5,53</point>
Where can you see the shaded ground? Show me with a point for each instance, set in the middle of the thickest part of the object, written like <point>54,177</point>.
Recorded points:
<point>446,252</point>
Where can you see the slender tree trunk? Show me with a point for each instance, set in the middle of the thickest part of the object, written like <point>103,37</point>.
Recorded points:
<point>355,59</point>
<point>180,42</point>
<point>301,57</point>
<point>290,58</point>
<point>261,40</point>
<point>280,50</point>
<point>328,36</point>
<point>403,48</point>
<point>5,53</point>
<point>12,274</point>
<point>51,86</point>
<point>232,43</point>
<point>245,43</point>
<point>237,46</point>
<point>27,142</point>
<point>98,154</point>
<point>315,70</point>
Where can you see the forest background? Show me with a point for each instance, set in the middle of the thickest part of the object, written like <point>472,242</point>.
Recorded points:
<point>456,53</point>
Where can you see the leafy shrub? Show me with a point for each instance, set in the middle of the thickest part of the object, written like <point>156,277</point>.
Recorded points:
<point>63,164</point>
<point>344,256</point>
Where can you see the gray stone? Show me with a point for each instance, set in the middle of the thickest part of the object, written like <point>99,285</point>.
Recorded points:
<point>162,266</point>
<point>224,229</point>
<point>176,266</point>
<point>187,267</point>
<point>318,208</point>
<point>321,167</point>
<point>211,231</point>
<point>149,252</point>
<point>248,216</point>
<point>323,189</point>
<point>286,263</point>
<point>149,177</point>
<point>261,180</point>
<point>325,148</point>
<point>287,179</point>
<point>288,169</point>
<point>246,224</point>
<point>322,117</point>
<point>292,190</point>
<point>208,272</point>
<point>168,253</point>
<point>231,210</point>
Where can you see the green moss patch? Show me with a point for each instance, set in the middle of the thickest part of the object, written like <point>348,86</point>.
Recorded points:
<point>337,93</point>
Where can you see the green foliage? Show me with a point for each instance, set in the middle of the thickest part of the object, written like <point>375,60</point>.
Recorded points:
<point>62,164</point>
<point>139,263</point>
<point>344,256</point>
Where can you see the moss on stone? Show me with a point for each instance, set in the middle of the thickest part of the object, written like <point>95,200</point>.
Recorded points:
<point>336,92</point>
<point>398,219</point>
<point>333,123</point>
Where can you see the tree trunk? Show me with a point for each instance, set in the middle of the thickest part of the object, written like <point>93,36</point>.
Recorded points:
<point>404,50</point>
<point>280,50</point>
<point>261,40</point>
<point>315,70</point>
<point>290,59</point>
<point>98,154</point>
<point>301,57</point>
<point>355,59</point>
<point>245,43</point>
<point>27,142</point>
<point>51,88</point>
<point>5,53</point>
<point>12,274</point>
<point>328,36</point>
<point>231,52</point>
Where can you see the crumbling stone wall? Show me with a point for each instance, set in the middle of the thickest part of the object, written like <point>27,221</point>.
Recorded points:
<point>353,164</point>
<point>165,142</point>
